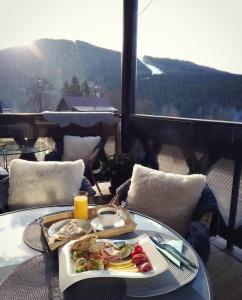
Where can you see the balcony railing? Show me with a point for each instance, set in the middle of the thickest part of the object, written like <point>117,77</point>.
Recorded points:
<point>194,146</point>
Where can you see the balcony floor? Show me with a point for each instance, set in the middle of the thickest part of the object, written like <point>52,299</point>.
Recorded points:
<point>225,273</point>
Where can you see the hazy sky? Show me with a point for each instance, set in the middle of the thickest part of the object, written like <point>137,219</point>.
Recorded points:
<point>207,32</point>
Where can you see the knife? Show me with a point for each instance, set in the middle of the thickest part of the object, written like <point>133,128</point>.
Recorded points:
<point>173,251</point>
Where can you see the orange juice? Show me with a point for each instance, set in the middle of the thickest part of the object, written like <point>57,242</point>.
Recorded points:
<point>81,206</point>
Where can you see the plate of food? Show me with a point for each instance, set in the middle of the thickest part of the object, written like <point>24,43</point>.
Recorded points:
<point>69,229</point>
<point>89,257</point>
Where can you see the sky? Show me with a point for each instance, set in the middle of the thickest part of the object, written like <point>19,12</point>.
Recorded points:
<point>207,32</point>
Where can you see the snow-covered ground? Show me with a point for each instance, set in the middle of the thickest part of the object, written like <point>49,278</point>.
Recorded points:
<point>154,70</point>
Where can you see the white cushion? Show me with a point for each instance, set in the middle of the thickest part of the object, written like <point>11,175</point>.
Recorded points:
<point>169,198</point>
<point>76,147</point>
<point>43,183</point>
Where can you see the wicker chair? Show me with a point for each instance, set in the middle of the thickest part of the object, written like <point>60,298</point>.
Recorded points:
<point>204,217</point>
<point>98,153</point>
<point>220,180</point>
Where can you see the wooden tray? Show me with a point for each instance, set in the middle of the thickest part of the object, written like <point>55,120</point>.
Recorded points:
<point>47,221</point>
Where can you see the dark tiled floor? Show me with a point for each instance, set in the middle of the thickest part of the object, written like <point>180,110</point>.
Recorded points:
<point>225,273</point>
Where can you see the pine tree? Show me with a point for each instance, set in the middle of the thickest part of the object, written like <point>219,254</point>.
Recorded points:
<point>85,89</point>
<point>66,88</point>
<point>75,89</point>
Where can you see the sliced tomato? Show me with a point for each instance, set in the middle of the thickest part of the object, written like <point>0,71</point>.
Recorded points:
<point>145,267</point>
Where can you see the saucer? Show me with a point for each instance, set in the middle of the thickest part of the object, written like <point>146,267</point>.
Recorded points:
<point>97,225</point>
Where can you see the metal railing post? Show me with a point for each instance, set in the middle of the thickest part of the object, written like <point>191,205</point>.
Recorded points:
<point>128,67</point>
<point>234,194</point>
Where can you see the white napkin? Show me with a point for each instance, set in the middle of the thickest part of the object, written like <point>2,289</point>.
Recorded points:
<point>178,245</point>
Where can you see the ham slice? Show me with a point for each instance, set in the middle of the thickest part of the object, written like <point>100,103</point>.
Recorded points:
<point>111,254</point>
<point>111,251</point>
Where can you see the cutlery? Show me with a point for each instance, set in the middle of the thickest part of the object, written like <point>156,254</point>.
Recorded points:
<point>174,252</point>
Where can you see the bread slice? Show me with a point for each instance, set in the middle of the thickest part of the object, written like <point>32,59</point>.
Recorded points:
<point>84,243</point>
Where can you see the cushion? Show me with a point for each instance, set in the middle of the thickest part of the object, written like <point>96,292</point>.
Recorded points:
<point>169,198</point>
<point>43,183</point>
<point>76,147</point>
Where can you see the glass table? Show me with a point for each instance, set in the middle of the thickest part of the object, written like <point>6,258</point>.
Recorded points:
<point>14,251</point>
<point>26,151</point>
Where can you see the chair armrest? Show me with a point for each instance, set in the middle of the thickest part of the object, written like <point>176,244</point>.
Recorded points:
<point>53,156</point>
<point>4,186</point>
<point>92,159</point>
<point>121,193</point>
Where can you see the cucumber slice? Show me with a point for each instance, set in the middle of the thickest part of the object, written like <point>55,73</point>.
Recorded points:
<point>119,245</point>
<point>125,252</point>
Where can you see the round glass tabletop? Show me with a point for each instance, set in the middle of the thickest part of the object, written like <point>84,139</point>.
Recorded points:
<point>13,250</point>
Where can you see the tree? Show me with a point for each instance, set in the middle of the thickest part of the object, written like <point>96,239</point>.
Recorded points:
<point>66,88</point>
<point>39,91</point>
<point>74,88</point>
<point>85,89</point>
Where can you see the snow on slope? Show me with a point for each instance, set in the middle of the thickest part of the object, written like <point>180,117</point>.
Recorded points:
<point>154,70</point>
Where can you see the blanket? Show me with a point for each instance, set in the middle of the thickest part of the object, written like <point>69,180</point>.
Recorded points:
<point>199,234</point>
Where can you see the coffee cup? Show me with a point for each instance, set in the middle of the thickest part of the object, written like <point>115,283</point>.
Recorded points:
<point>107,216</point>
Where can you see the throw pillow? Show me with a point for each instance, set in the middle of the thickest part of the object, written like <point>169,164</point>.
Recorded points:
<point>43,183</point>
<point>169,198</point>
<point>76,147</point>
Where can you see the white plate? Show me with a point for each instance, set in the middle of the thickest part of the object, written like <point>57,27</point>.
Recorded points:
<point>97,225</point>
<point>54,228</point>
<point>68,276</point>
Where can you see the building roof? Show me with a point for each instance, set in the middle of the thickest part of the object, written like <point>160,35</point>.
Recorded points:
<point>95,108</point>
<point>71,101</point>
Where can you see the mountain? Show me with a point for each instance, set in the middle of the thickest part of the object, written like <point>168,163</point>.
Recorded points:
<point>56,61</point>
<point>174,66</point>
<point>164,86</point>
<point>185,89</point>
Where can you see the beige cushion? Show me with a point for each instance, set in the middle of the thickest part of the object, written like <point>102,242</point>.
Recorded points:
<point>169,198</point>
<point>76,147</point>
<point>43,183</point>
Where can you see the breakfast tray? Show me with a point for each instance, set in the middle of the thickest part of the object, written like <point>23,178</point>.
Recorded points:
<point>46,221</point>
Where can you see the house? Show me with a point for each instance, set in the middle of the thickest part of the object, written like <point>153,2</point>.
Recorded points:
<point>5,110</point>
<point>85,104</point>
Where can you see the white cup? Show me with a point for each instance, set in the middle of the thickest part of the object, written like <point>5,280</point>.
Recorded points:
<point>107,216</point>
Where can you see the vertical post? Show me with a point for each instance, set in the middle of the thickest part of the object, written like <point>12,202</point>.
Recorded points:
<point>128,67</point>
<point>235,193</point>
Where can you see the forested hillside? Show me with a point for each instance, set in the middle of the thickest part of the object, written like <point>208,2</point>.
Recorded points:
<point>188,90</point>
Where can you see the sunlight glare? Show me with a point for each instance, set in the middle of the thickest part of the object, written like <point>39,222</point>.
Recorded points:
<point>36,51</point>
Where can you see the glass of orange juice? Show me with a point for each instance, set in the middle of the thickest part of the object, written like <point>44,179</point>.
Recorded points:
<point>81,205</point>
